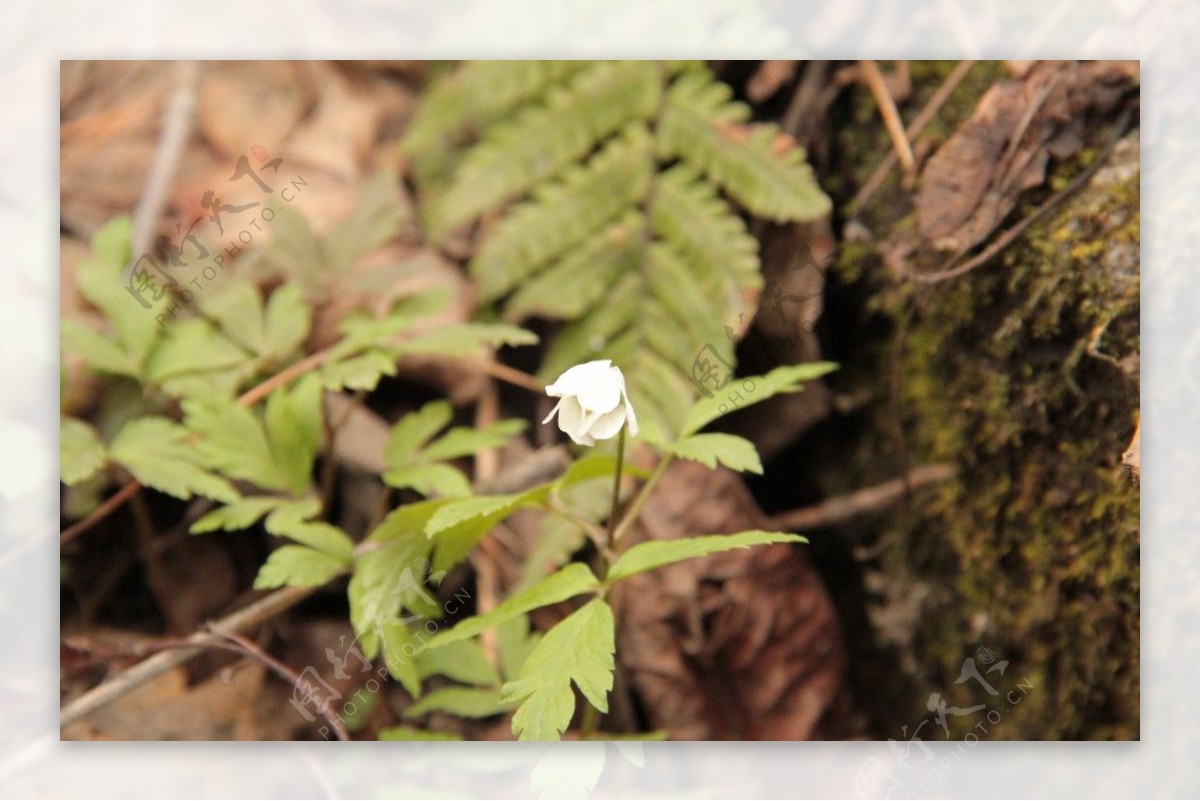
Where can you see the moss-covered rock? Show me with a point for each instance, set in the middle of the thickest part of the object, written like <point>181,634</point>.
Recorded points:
<point>1023,372</point>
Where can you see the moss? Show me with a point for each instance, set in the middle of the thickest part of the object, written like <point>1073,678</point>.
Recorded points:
<point>1013,371</point>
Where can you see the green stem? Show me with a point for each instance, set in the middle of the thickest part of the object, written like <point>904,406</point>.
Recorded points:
<point>616,493</point>
<point>635,508</point>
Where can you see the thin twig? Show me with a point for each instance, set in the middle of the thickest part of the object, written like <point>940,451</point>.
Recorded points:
<point>923,118</point>
<point>511,375</point>
<point>1007,238</point>
<point>249,648</point>
<point>100,512</point>
<point>177,129</point>
<point>838,510</point>
<point>891,117</point>
<point>262,609</point>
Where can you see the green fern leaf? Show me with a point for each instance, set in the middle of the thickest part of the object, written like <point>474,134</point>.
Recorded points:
<point>702,126</point>
<point>564,213</point>
<point>540,141</point>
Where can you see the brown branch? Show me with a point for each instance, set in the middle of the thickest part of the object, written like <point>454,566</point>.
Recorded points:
<point>891,117</point>
<point>252,650</point>
<point>923,118</point>
<point>871,499</point>
<point>160,663</point>
<point>511,375</point>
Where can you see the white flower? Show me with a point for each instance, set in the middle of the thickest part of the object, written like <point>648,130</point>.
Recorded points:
<point>594,404</point>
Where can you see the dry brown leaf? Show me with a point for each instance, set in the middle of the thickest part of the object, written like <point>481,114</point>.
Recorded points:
<point>974,180</point>
<point>740,645</point>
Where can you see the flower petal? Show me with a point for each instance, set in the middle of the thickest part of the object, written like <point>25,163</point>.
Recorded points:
<point>633,426</point>
<point>603,394</point>
<point>578,378</point>
<point>552,412</point>
<point>608,424</point>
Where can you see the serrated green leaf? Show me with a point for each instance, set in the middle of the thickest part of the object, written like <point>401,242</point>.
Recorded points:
<point>465,510</point>
<point>734,452</point>
<point>399,647</point>
<point>409,734</point>
<point>579,649</point>
<point>292,420</point>
<point>659,553</point>
<point>192,346</point>
<point>98,351</point>
<point>459,442</point>
<point>357,372</point>
<point>416,429</point>
<point>391,576</point>
<point>297,566</point>
<point>290,512</point>
<point>81,453</point>
<point>236,516</point>
<point>156,451</point>
<point>101,279</point>
<point>752,390</point>
<point>236,306</point>
<point>465,702</point>
<point>515,642</point>
<point>441,480</point>
<point>574,579</point>
<point>318,535</point>
<point>286,321</point>
<point>462,661</point>
<point>233,441</point>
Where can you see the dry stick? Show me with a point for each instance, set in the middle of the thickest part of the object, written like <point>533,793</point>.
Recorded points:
<point>891,117</point>
<point>249,648</point>
<point>1006,239</point>
<point>177,129</point>
<point>155,666</point>
<point>871,499</point>
<point>914,130</point>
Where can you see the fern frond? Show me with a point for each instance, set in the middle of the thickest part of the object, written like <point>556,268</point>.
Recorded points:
<point>562,214</point>
<point>515,155</point>
<point>701,125</point>
<point>578,281</point>
<point>687,213</point>
<point>475,94</point>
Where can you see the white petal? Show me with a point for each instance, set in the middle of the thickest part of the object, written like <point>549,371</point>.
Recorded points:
<point>604,394</point>
<point>570,415</point>
<point>552,411</point>
<point>578,378</point>
<point>633,426</point>
<point>608,424</point>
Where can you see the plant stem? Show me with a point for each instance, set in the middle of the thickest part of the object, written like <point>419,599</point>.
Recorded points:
<point>635,508</point>
<point>616,493</point>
